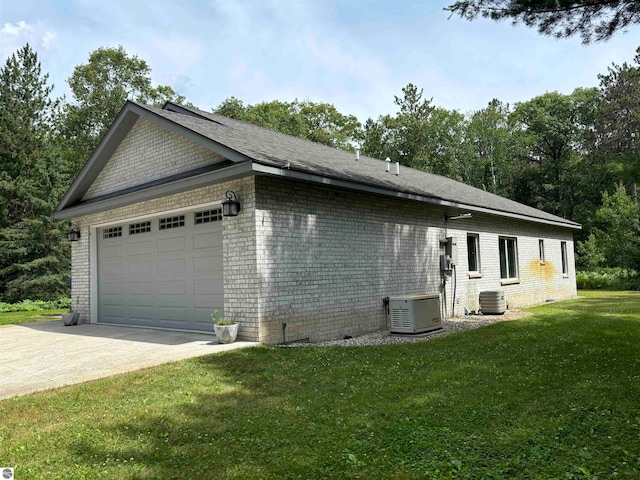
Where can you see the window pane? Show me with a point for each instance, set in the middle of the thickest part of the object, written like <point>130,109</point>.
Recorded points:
<point>541,248</point>
<point>472,252</point>
<point>513,261</point>
<point>503,259</point>
<point>563,248</point>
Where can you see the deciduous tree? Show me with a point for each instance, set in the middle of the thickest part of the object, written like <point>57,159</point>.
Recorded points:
<point>100,88</point>
<point>318,122</point>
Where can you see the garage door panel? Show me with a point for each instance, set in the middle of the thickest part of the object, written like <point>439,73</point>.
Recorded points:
<point>112,288</point>
<point>114,268</point>
<point>171,278</point>
<point>144,267</point>
<point>173,301</point>
<point>140,247</point>
<point>112,303</point>
<point>140,288</point>
<point>206,240</point>
<point>173,314</point>
<point>206,287</point>
<point>172,288</point>
<point>142,313</point>
<point>210,302</point>
<point>112,250</point>
<point>174,266</point>
<point>113,311</point>
<point>140,300</point>
<point>171,244</point>
<point>207,263</point>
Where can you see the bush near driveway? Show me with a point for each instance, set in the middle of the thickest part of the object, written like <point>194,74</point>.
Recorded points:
<point>35,305</point>
<point>554,395</point>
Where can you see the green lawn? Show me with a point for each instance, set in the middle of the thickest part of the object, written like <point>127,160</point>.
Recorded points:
<point>27,317</point>
<point>555,395</point>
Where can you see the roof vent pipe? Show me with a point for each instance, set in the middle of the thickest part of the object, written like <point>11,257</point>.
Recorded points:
<point>397,168</point>
<point>357,153</point>
<point>388,162</point>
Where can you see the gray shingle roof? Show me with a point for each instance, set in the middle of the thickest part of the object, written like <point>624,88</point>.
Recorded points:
<point>275,149</point>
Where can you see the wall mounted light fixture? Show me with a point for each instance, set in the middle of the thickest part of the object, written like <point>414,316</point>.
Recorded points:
<point>231,206</point>
<point>74,233</point>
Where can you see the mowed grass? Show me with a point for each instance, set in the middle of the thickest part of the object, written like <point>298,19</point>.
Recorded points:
<point>10,318</point>
<point>555,395</point>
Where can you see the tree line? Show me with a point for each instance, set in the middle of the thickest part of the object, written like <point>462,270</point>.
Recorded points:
<point>575,155</point>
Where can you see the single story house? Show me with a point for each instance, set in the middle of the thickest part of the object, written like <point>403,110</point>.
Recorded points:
<point>321,238</point>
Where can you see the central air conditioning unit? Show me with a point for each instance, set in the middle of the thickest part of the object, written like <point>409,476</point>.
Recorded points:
<point>493,302</point>
<point>415,313</point>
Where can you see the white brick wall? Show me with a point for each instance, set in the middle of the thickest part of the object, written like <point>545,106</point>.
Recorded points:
<point>327,258</point>
<point>148,153</point>
<point>318,258</point>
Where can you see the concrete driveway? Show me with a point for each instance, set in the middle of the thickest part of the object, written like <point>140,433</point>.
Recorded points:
<point>45,355</point>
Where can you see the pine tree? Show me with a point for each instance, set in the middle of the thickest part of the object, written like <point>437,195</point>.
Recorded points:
<point>34,254</point>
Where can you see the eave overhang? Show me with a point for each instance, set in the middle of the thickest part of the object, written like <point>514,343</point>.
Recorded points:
<point>255,168</point>
<point>160,189</point>
<point>339,183</point>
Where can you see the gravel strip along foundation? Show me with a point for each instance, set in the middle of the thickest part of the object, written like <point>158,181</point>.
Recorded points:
<point>449,326</point>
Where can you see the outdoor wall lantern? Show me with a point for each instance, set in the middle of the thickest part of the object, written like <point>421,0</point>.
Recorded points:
<point>231,206</point>
<point>74,233</point>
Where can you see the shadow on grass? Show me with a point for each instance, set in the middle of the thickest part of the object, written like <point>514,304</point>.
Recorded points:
<point>544,396</point>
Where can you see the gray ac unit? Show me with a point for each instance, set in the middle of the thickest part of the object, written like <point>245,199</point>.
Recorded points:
<point>415,313</point>
<point>493,302</point>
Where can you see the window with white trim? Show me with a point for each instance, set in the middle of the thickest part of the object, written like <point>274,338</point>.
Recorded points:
<point>565,262</point>
<point>141,227</point>
<point>473,252</point>
<point>541,250</point>
<point>111,232</point>
<point>508,247</point>
<point>171,222</point>
<point>207,216</point>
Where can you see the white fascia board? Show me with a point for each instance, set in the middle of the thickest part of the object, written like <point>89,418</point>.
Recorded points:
<point>179,186</point>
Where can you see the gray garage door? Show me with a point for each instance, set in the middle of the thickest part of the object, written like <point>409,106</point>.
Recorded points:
<point>162,272</point>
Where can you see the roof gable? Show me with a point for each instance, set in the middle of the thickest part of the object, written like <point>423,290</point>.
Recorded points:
<point>82,187</point>
<point>148,153</point>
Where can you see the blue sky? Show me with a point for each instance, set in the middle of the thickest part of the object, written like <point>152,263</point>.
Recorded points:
<point>356,54</point>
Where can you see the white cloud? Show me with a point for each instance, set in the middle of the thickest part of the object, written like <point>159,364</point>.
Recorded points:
<point>49,39</point>
<point>15,35</point>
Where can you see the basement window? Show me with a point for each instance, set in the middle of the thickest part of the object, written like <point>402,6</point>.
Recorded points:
<point>508,247</point>
<point>112,232</point>
<point>171,222</point>
<point>473,253</point>
<point>208,216</point>
<point>565,263</point>
<point>142,227</point>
